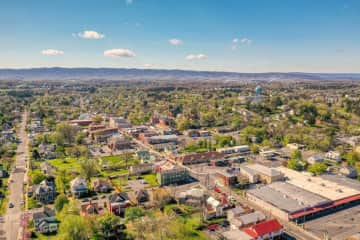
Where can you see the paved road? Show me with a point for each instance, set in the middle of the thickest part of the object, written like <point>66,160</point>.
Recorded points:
<point>16,196</point>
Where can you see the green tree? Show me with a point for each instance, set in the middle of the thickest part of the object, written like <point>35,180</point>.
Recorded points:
<point>107,225</point>
<point>133,213</point>
<point>60,201</point>
<point>317,168</point>
<point>89,168</point>
<point>66,133</point>
<point>37,177</point>
<point>73,227</point>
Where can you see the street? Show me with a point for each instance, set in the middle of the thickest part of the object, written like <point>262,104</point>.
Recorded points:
<point>16,196</point>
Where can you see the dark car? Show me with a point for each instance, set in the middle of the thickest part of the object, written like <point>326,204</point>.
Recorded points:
<point>11,205</point>
<point>225,223</point>
<point>94,198</point>
<point>85,200</point>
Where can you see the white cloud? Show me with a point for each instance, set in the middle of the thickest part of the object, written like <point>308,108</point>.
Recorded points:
<point>128,2</point>
<point>199,56</point>
<point>176,41</point>
<point>52,52</point>
<point>236,42</point>
<point>148,65</point>
<point>119,52</point>
<point>89,34</point>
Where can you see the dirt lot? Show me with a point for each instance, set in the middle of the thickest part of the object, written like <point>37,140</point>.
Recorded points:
<point>338,225</point>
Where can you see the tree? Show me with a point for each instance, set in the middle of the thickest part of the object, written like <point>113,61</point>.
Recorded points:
<point>97,119</point>
<point>133,213</point>
<point>296,155</point>
<point>107,225</point>
<point>37,177</point>
<point>317,168</point>
<point>61,180</point>
<point>74,228</point>
<point>89,168</point>
<point>66,132</point>
<point>352,158</point>
<point>60,201</point>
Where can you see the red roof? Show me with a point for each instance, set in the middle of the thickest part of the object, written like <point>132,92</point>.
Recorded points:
<point>321,208</point>
<point>263,228</point>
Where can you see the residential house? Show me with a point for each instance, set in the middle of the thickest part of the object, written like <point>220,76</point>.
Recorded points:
<point>348,171</point>
<point>315,158</point>
<point>45,192</point>
<point>213,208</point>
<point>102,135</point>
<point>235,212</point>
<point>247,219</point>
<point>139,196</point>
<point>333,156</point>
<point>144,156</point>
<point>78,187</point>
<point>101,185</point>
<point>89,209</point>
<point>295,146</point>
<point>118,202</point>
<point>45,221</point>
<point>193,197</point>
<point>47,169</point>
<point>264,230</point>
<point>47,151</point>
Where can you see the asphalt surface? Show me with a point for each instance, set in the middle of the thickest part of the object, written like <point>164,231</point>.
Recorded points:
<point>16,196</point>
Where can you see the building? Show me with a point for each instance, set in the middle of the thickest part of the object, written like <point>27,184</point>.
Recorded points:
<point>175,175</point>
<point>161,139</point>
<point>118,202</point>
<point>45,192</point>
<point>78,187</point>
<point>197,158</point>
<point>47,169</point>
<point>45,221</point>
<point>89,209</point>
<point>47,151</point>
<point>243,149</point>
<point>117,143</point>
<point>260,173</point>
<point>295,146</point>
<point>247,220</point>
<point>227,177</point>
<point>193,197</point>
<point>235,212</point>
<point>303,197</point>
<point>101,185</point>
<point>317,158</point>
<point>138,169</point>
<point>348,171</point>
<point>213,208</point>
<point>333,156</point>
<point>119,123</point>
<point>81,123</point>
<point>235,234</point>
<point>102,135</point>
<point>264,230</point>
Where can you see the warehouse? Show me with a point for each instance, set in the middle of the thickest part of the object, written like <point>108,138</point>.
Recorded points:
<point>303,197</point>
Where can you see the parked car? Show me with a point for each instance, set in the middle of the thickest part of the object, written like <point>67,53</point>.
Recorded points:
<point>11,205</point>
<point>177,210</point>
<point>213,227</point>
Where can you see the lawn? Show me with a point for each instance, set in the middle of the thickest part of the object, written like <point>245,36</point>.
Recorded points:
<point>151,179</point>
<point>119,160</point>
<point>66,164</point>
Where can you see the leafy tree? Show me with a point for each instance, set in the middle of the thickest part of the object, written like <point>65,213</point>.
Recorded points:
<point>107,225</point>
<point>133,213</point>
<point>89,168</point>
<point>352,158</point>
<point>317,168</point>
<point>73,227</point>
<point>309,113</point>
<point>37,177</point>
<point>66,133</point>
<point>60,201</point>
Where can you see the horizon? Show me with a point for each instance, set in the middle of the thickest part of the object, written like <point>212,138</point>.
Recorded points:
<point>231,36</point>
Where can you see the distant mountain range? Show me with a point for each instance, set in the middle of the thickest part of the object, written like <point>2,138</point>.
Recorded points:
<point>158,74</point>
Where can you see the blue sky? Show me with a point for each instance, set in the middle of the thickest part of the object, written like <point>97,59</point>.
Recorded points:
<point>220,35</point>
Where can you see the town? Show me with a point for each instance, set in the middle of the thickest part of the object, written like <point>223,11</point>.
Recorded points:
<point>180,161</point>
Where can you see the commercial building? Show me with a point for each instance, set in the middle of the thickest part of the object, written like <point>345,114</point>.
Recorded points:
<point>243,149</point>
<point>173,175</point>
<point>260,173</point>
<point>303,197</point>
<point>197,158</point>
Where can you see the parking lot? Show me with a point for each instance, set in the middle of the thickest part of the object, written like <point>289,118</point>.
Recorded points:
<point>338,225</point>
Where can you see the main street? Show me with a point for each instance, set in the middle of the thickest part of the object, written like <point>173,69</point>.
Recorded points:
<point>16,193</point>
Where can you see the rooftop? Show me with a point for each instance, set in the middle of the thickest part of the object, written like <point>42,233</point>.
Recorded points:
<point>258,168</point>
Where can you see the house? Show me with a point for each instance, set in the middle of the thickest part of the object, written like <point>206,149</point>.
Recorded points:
<point>333,156</point>
<point>139,196</point>
<point>45,221</point>
<point>193,133</point>
<point>295,146</point>
<point>47,151</point>
<point>144,156</point>
<point>45,192</point>
<point>197,158</point>
<point>235,212</point>
<point>101,186</point>
<point>264,230</point>
<point>89,209</point>
<point>227,177</point>
<point>173,175</point>
<point>213,208</point>
<point>315,158</point>
<point>138,169</point>
<point>193,197</point>
<point>117,203</point>
<point>102,135</point>
<point>117,142</point>
<point>78,187</point>
<point>242,149</point>
<point>161,139</point>
<point>348,171</point>
<point>47,169</point>
<point>247,219</point>
<point>81,123</point>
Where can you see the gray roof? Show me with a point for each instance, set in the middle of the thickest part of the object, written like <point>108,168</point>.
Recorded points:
<point>288,197</point>
<point>46,213</point>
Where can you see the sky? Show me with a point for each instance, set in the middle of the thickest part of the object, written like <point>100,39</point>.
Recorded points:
<point>215,35</point>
